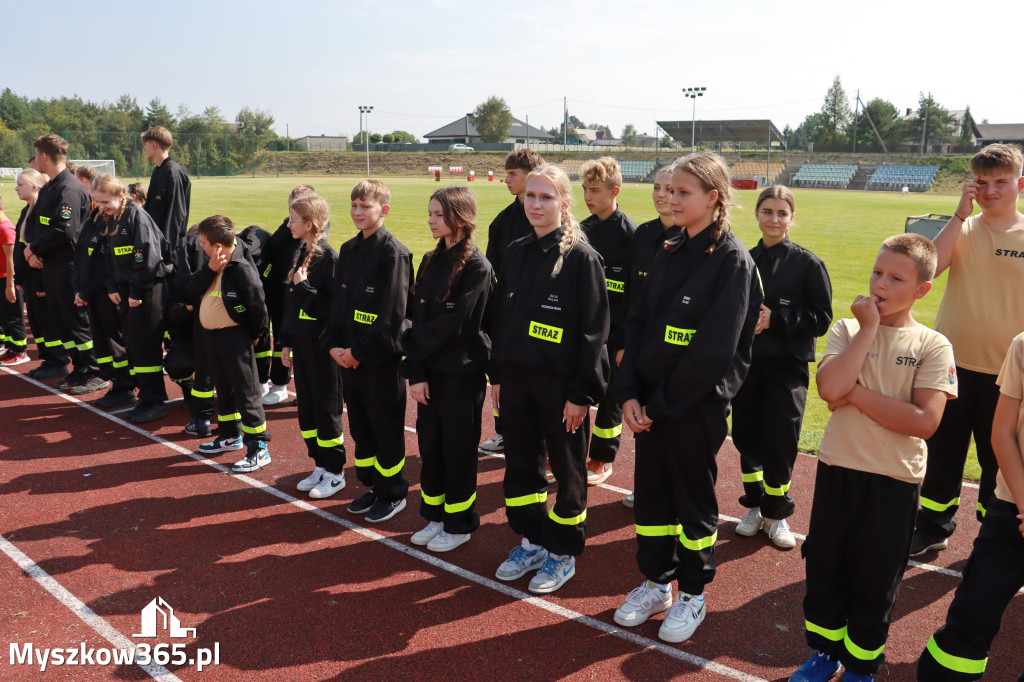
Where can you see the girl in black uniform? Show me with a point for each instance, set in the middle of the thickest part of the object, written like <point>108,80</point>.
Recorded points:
<point>768,410</point>
<point>550,365</point>
<point>446,354</point>
<point>317,378</point>
<point>688,342</point>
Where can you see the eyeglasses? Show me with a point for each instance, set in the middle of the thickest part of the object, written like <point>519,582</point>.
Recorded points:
<point>293,221</point>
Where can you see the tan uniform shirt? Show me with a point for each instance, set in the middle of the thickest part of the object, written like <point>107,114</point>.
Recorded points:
<point>212,313</point>
<point>1011,384</point>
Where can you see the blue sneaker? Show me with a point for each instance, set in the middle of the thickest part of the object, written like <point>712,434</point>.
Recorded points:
<point>854,677</point>
<point>553,574</point>
<point>520,562</point>
<point>818,668</point>
<point>221,444</point>
<point>256,457</point>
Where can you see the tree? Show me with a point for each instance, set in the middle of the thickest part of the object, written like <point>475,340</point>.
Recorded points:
<point>493,119</point>
<point>375,138</point>
<point>403,136</point>
<point>933,121</point>
<point>157,114</point>
<point>629,134</point>
<point>967,128</point>
<point>14,111</point>
<point>254,122</point>
<point>886,118</point>
<point>807,131</point>
<point>836,112</point>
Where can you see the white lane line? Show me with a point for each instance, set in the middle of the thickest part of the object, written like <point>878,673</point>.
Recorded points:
<point>79,608</point>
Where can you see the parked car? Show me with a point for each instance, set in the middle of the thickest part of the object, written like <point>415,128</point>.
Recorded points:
<point>459,147</point>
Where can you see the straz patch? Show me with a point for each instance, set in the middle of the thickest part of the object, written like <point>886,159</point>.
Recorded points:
<point>679,337</point>
<point>364,318</point>
<point>615,286</point>
<point>545,332</point>
<point>65,213</point>
<point>123,250</point>
<point>303,315</point>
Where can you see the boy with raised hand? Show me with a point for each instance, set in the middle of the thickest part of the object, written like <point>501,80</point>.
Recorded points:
<point>509,225</point>
<point>981,311</point>
<point>370,292</point>
<point>170,191</point>
<point>610,232</point>
<point>886,379</point>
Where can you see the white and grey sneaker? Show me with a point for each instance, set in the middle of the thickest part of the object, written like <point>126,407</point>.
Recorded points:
<point>493,446</point>
<point>642,603</point>
<point>750,523</point>
<point>446,542</point>
<point>422,537</point>
<point>275,395</point>
<point>553,574</point>
<point>256,457</point>
<point>682,619</point>
<point>520,562</point>
<point>311,481</point>
<point>330,484</point>
<point>778,532</point>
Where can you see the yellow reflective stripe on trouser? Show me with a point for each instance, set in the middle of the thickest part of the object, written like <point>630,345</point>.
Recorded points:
<point>310,433</point>
<point>88,345</point>
<point>254,429</point>
<point>862,654</point>
<point>938,506</point>
<point>330,442</point>
<point>263,354</point>
<point>459,506</point>
<point>229,417</point>
<point>777,492</point>
<point>697,545</point>
<point>670,530</point>
<point>51,344</point>
<point>277,353</point>
<point>201,394</point>
<point>151,369</point>
<point>967,666</point>
<point>754,477</point>
<point>389,472</point>
<point>613,432</point>
<point>20,343</point>
<point>571,521</point>
<point>525,500</point>
<point>366,461</point>
<point>981,509</point>
<point>120,364</point>
<point>432,500</point>
<point>68,345</point>
<point>105,359</point>
<point>830,635</point>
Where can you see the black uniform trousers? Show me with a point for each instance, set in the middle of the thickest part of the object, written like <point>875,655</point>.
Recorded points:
<point>318,395</point>
<point>856,553</point>
<point>676,509</point>
<point>448,428</point>
<point>264,355</point>
<point>70,322</point>
<point>144,338</point>
<point>279,374</point>
<point>229,352</point>
<point>12,319</point>
<point>971,413</point>
<point>532,404</point>
<point>44,332</point>
<point>993,575</point>
<point>767,413</point>
<point>604,444</point>
<point>375,396</point>
<point>200,398</point>
<point>108,337</point>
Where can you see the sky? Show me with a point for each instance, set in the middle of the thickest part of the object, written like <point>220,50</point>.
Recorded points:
<point>424,63</point>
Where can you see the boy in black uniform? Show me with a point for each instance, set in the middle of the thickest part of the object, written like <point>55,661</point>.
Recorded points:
<point>170,191</point>
<point>233,316</point>
<point>368,302</point>
<point>62,208</point>
<point>610,232</point>
<point>509,225</point>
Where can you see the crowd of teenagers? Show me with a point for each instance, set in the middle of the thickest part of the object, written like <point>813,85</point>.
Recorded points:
<point>665,327</point>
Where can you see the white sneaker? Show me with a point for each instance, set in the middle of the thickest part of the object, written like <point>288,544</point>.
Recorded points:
<point>750,523</point>
<point>275,395</point>
<point>553,574</point>
<point>311,481</point>
<point>446,542</point>
<point>682,619</point>
<point>642,603</point>
<point>779,533</point>
<point>264,388</point>
<point>330,484</point>
<point>422,537</point>
<point>493,446</point>
<point>629,500</point>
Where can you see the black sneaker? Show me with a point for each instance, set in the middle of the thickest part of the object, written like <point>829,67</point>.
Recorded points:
<point>383,510</point>
<point>115,398</point>
<point>199,427</point>
<point>363,503</point>
<point>91,386</point>
<point>76,378</point>
<point>148,413</point>
<point>922,543</point>
<point>49,372</point>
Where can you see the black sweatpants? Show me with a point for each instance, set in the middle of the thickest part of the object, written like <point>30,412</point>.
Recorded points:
<point>44,332</point>
<point>264,355</point>
<point>676,509</point>
<point>375,396</point>
<point>279,374</point>
<point>604,444</point>
<point>200,399</point>
<point>856,552</point>
<point>971,413</point>
<point>766,416</point>
<point>993,574</point>
<point>318,396</point>
<point>70,322</point>
<point>229,353</point>
<point>108,337</point>
<point>532,404</point>
<point>144,338</point>
<point>448,428</point>
<point>12,319</point>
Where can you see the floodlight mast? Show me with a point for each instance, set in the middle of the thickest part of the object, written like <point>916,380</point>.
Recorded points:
<point>694,93</point>
<point>366,139</point>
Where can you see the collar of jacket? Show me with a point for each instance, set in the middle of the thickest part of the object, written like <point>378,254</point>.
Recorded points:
<point>548,241</point>
<point>373,239</point>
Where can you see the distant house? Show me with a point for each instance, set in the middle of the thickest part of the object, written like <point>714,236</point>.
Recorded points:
<point>587,135</point>
<point>608,142</point>
<point>322,143</point>
<point>1010,133</point>
<point>464,130</point>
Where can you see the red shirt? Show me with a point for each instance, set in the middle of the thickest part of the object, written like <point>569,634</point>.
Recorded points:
<point>8,235</point>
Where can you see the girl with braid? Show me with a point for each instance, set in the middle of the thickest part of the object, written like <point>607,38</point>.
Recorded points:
<point>446,354</point>
<point>317,378</point>
<point>550,365</point>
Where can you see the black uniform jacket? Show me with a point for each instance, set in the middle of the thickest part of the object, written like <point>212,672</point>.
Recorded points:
<point>509,225</point>
<point>688,337</point>
<point>647,242</point>
<point>611,238</point>
<point>24,274</point>
<point>798,291</point>
<point>446,335</point>
<point>191,259</point>
<point>89,274</point>
<point>554,324</point>
<point>240,288</point>
<point>371,290</point>
<point>307,303</point>
<point>60,211</point>
<point>276,260</point>
<point>138,253</point>
<point>168,199</point>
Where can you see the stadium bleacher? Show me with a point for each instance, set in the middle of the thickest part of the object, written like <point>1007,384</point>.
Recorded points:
<point>572,168</point>
<point>755,170</point>
<point>828,175</point>
<point>898,177</point>
<point>635,171</point>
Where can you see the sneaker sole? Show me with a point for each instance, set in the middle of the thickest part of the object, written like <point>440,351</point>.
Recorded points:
<point>399,507</point>
<point>633,623</point>
<point>628,503</point>
<point>517,576</point>
<point>305,488</point>
<point>676,638</point>
<point>487,451</point>
<point>85,388</point>
<point>15,363</point>
<point>448,548</point>
<point>212,451</point>
<point>934,547</point>
<point>554,588</point>
<point>420,542</point>
<point>598,480</point>
<point>351,510</point>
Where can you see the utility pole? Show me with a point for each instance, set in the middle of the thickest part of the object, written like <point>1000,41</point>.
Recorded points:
<point>694,93</point>
<point>366,138</point>
<point>855,105</point>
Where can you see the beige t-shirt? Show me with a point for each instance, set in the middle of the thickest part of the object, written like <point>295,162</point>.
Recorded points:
<point>900,360</point>
<point>212,313</point>
<point>982,308</point>
<point>1011,384</point>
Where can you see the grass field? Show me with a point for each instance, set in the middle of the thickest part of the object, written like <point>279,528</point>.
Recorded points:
<point>843,228</point>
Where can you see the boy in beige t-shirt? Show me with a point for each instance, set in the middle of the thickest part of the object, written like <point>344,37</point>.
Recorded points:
<point>995,570</point>
<point>886,379</point>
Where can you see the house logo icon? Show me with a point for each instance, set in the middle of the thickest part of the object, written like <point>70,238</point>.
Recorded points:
<point>151,622</point>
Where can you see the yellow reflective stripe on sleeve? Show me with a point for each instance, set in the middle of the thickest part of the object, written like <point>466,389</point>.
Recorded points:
<point>777,492</point>
<point>309,433</point>
<point>254,429</point>
<point>105,359</point>
<point>967,666</point>
<point>88,345</point>
<point>120,364</point>
<point>387,473</point>
<point>545,332</point>
<point>68,345</point>
<point>152,369</point>
<point>862,654</point>
<point>938,506</point>
<point>123,250</point>
<point>613,432</point>
<point>697,545</point>
<point>670,530</point>
<point>277,353</point>
<point>495,412</point>
<point>229,417</point>
<point>679,337</point>
<point>981,510</point>
<point>525,500</point>
<point>459,506</point>
<point>366,461</point>
<point>330,442</point>
<point>201,394</point>
<point>830,635</point>
<point>167,336</point>
<point>267,271</point>
<point>364,318</point>
<point>263,354</point>
<point>617,287</point>
<point>571,521</point>
<point>753,477</point>
<point>303,315</point>
<point>432,500</point>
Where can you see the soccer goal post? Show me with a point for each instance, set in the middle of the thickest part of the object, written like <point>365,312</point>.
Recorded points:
<point>99,165</point>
